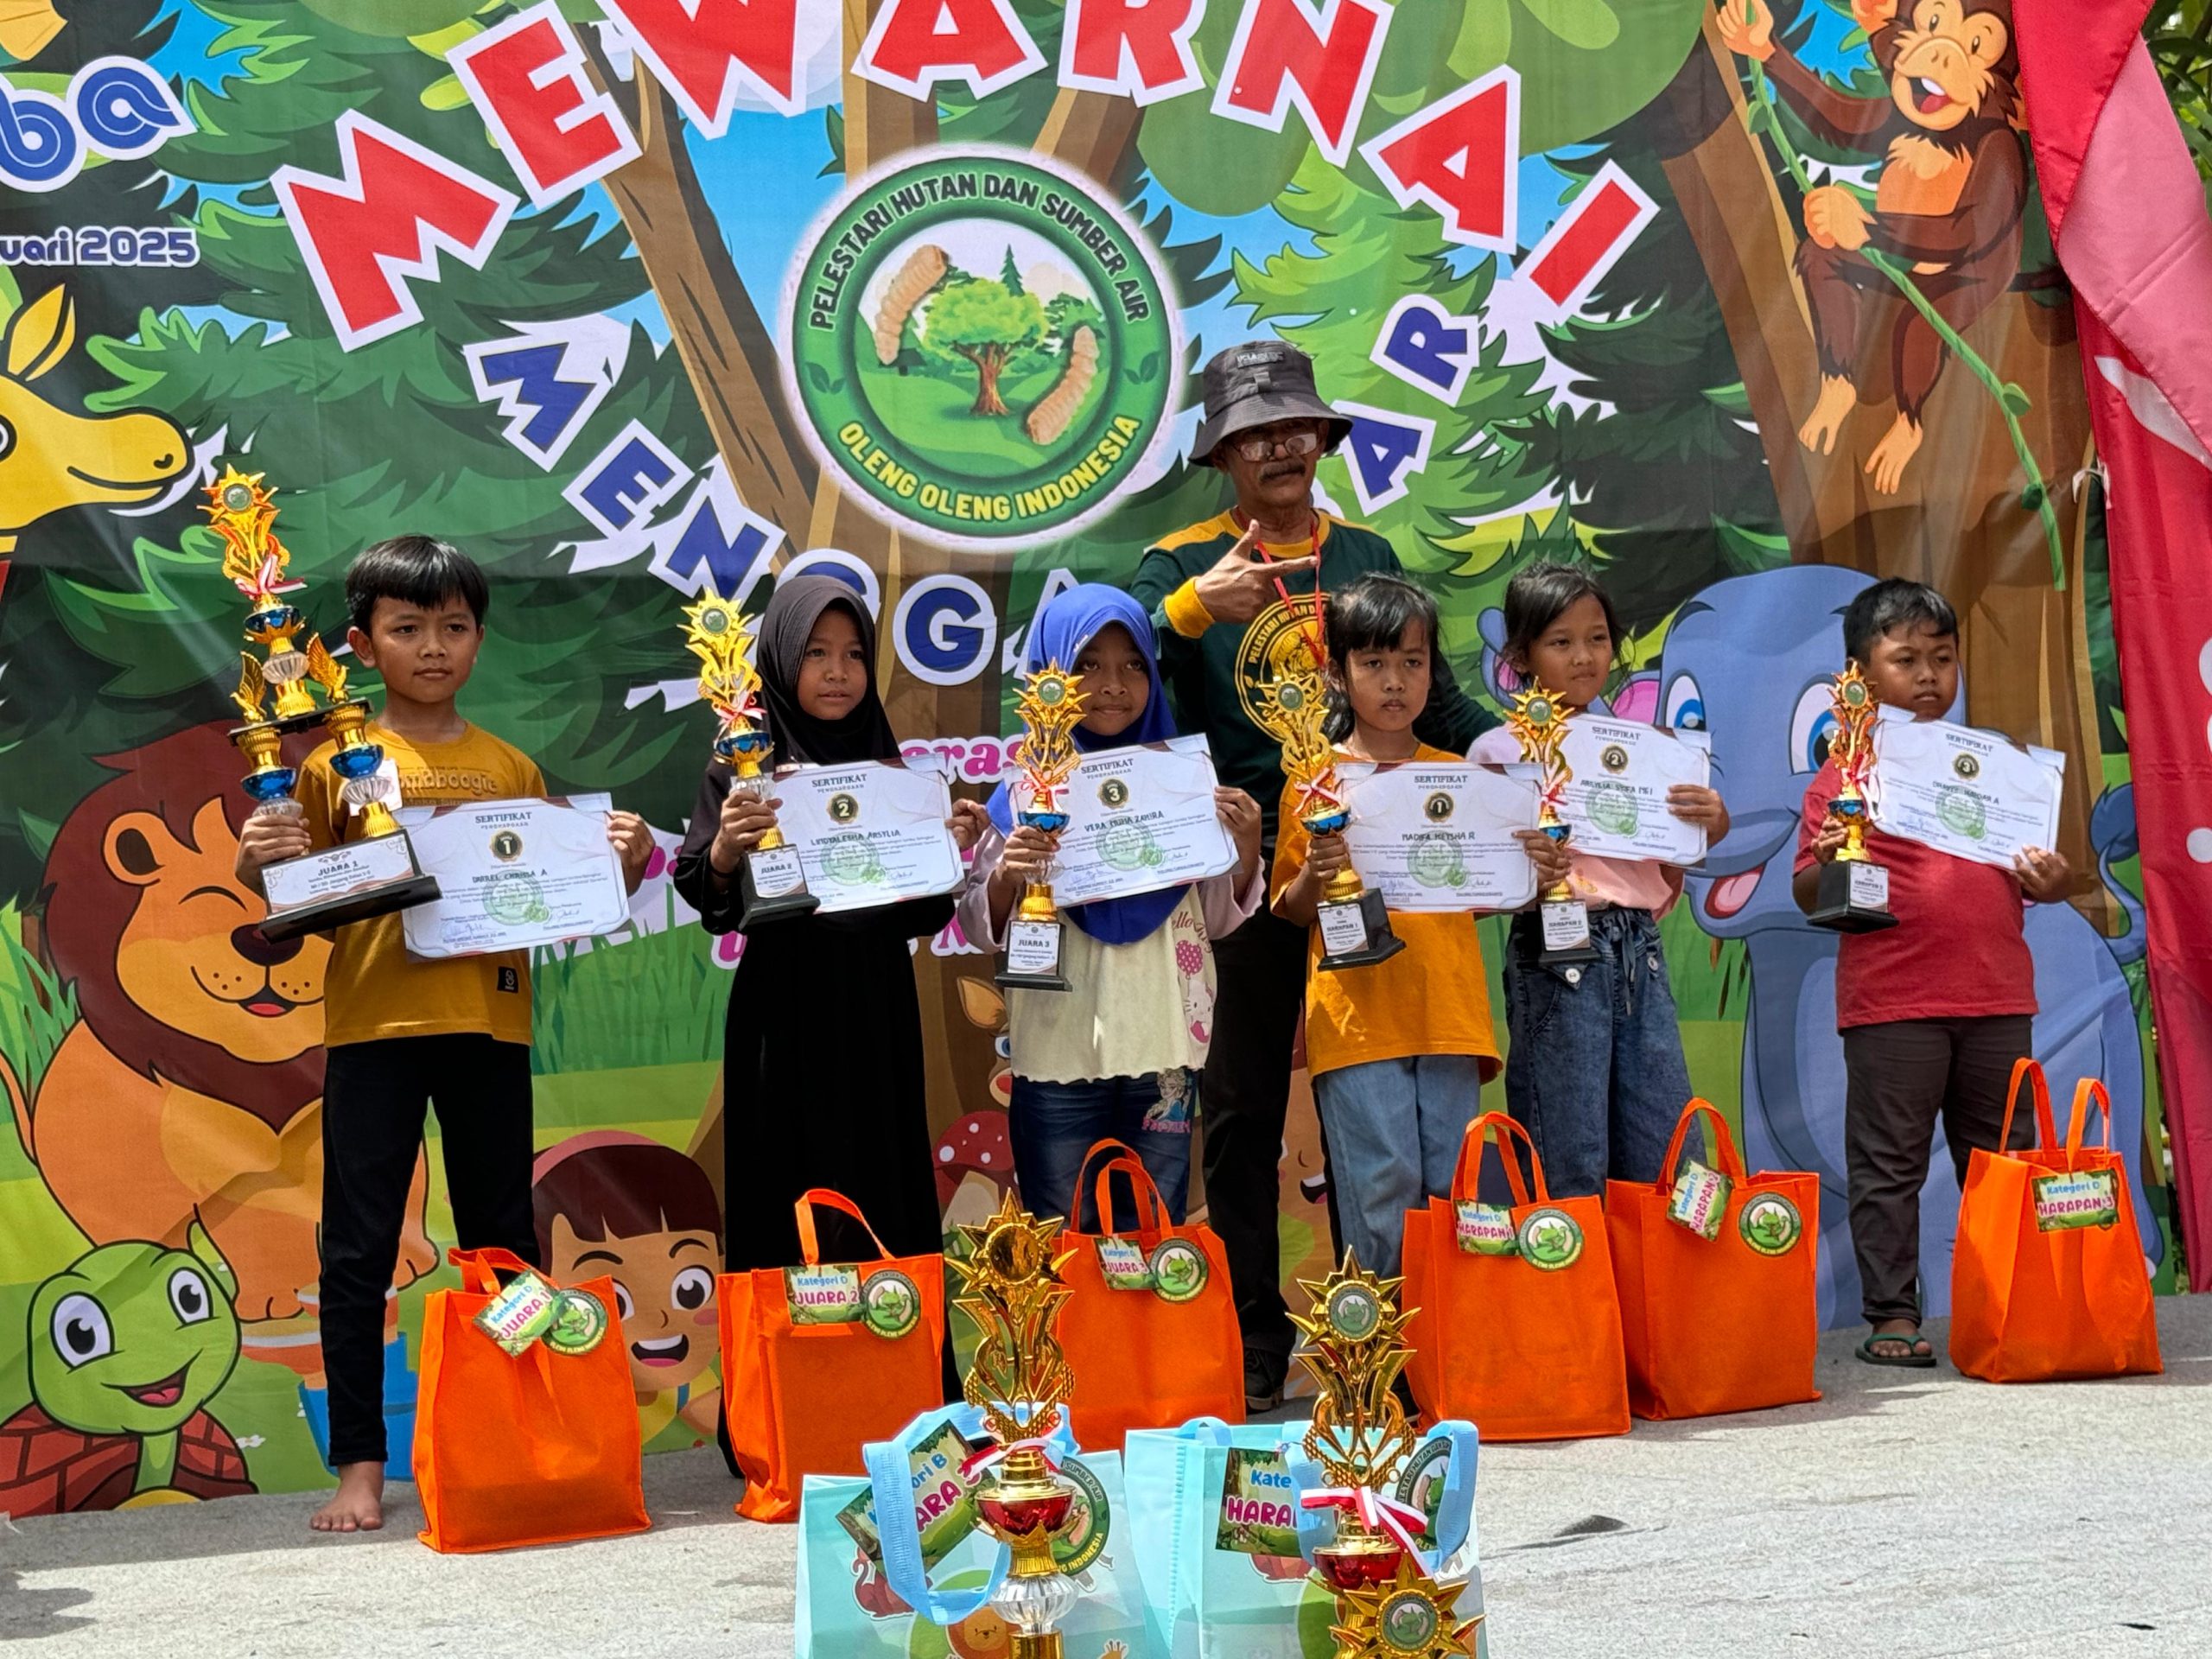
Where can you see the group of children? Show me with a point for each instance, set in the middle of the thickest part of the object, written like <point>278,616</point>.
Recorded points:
<point>824,1067</point>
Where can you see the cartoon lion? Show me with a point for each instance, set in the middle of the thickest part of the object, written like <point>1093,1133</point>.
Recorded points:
<point>191,1084</point>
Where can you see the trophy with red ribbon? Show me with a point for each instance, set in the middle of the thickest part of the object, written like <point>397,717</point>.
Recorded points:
<point>1538,722</point>
<point>1386,1603</point>
<point>1854,895</point>
<point>1051,707</point>
<point>1011,1287</point>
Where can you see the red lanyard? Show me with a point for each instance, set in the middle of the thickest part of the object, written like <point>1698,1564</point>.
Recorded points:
<point>1316,641</point>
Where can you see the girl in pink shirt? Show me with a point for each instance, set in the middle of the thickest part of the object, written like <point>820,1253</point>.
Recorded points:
<point>1595,1069</point>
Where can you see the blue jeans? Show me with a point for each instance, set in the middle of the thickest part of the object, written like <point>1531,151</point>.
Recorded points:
<point>1054,1124</point>
<point>1595,1072</point>
<point>1394,1129</point>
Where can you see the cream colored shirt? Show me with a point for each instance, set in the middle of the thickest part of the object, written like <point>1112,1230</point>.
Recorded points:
<point>1133,1009</point>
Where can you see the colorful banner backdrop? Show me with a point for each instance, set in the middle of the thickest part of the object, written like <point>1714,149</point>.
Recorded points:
<point>628,295</point>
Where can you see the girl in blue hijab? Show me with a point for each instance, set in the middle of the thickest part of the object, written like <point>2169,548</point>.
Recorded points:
<point>1117,1056</point>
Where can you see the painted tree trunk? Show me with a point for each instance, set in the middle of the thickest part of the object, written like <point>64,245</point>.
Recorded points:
<point>988,361</point>
<point>1957,521</point>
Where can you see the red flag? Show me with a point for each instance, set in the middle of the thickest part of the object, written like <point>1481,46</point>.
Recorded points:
<point>2126,211</point>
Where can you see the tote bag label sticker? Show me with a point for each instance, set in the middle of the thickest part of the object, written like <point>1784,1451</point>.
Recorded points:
<point>1122,1264</point>
<point>891,1303</point>
<point>522,1312</point>
<point>2088,1197</point>
<point>944,1502</point>
<point>1770,1224</point>
<point>579,1323</point>
<point>1700,1200</point>
<point>1486,1229</point>
<point>1179,1270</point>
<point>1259,1504</point>
<point>822,1295</point>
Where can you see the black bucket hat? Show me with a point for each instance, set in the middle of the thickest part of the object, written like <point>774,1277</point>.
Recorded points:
<point>1257,384</point>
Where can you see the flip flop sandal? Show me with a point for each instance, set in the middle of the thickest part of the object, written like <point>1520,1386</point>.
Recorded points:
<point>1908,1359</point>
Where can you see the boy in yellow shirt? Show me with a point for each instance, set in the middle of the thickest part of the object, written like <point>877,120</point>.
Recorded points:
<point>401,1031</point>
<point>1398,1049</point>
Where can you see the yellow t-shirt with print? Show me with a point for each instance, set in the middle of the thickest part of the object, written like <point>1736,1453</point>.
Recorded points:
<point>1431,998</point>
<point>373,989</point>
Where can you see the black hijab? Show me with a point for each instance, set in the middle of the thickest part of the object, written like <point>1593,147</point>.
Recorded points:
<point>785,626</point>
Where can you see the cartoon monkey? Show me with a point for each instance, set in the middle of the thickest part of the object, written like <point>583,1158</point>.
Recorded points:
<point>1948,205</point>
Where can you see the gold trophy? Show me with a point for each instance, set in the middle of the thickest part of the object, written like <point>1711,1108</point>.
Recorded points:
<point>770,881</point>
<point>1050,706</point>
<point>1354,1348</point>
<point>294,686</point>
<point>1293,708</point>
<point>1854,896</point>
<point>1010,1285</point>
<point>1538,720</point>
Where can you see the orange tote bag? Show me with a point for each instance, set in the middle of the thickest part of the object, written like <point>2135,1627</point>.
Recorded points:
<point>1525,1347</point>
<point>535,1448</point>
<point>2048,1277</point>
<point>801,1399</point>
<point>1729,1323</point>
<point>1146,1357</point>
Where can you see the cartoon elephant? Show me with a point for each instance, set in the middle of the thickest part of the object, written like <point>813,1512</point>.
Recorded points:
<point>1750,660</point>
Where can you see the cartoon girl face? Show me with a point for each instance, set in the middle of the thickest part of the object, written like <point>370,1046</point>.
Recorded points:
<point>664,1290</point>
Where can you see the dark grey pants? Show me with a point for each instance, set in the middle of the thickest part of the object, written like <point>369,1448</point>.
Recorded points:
<point>1901,1077</point>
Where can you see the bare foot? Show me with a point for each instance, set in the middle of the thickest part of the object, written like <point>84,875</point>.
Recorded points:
<point>1895,1338</point>
<point>358,1504</point>
<point>1838,396</point>
<point>1898,445</point>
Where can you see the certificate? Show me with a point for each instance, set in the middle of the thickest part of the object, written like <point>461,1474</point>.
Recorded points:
<point>1141,818</point>
<point>868,834</point>
<point>1616,803</point>
<point>1438,836</point>
<point>513,874</point>
<point>1975,795</point>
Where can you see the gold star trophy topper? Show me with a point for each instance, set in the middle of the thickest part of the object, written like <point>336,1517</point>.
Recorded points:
<point>278,695</point>
<point>1010,1285</point>
<point>1354,1348</point>
<point>1051,706</point>
<point>770,878</point>
<point>1538,722</point>
<point>1407,1615</point>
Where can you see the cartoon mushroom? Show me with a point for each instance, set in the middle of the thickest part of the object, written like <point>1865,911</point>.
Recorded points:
<point>975,1166</point>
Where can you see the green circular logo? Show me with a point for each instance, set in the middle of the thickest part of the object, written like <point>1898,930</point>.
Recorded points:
<point>237,497</point>
<point>1539,711</point>
<point>980,347</point>
<point>1408,1623</point>
<point>511,898</point>
<point>1435,862</point>
<point>1770,1224</point>
<point>1083,1540</point>
<point>1550,1239</point>
<point>1179,1270</point>
<point>1420,1483</point>
<point>849,862</point>
<point>1854,694</point>
<point>1962,812</point>
<point>891,1306</point>
<point>1353,1313</point>
<point>1613,808</point>
<point>579,1323</point>
<point>1127,847</point>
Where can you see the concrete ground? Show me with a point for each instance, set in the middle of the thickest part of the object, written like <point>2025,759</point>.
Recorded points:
<point>1908,1513</point>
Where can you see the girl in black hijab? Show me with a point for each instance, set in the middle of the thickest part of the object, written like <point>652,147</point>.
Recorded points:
<point>821,1046</point>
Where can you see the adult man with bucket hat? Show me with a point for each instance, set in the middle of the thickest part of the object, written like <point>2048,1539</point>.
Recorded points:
<point>1229,596</point>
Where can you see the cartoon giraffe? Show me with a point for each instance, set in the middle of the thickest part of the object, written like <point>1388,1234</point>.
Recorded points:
<point>51,459</point>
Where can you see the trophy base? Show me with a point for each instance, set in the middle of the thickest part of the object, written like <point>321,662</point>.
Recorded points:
<point>1853,897</point>
<point>787,896</point>
<point>322,915</point>
<point>1031,961</point>
<point>1566,926</point>
<point>1356,933</point>
<point>350,882</point>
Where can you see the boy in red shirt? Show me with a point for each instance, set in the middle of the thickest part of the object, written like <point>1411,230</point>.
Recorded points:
<point>1934,1011</point>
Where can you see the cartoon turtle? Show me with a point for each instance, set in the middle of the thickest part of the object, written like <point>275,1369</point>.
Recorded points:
<point>127,1345</point>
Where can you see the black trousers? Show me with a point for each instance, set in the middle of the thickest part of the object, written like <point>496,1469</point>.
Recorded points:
<point>373,1098</point>
<point>1261,974</point>
<point>1900,1077</point>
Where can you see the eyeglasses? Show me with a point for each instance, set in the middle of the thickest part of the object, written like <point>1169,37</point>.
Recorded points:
<point>1302,440</point>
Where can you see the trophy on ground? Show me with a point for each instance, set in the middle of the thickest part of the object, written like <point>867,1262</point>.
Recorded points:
<point>1356,1347</point>
<point>1010,1285</point>
<point>296,686</point>
<point>1050,706</point>
<point>770,880</point>
<point>1854,896</point>
<point>1293,710</point>
<point>1538,722</point>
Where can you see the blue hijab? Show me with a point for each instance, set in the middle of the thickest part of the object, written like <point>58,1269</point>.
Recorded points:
<point>1069,622</point>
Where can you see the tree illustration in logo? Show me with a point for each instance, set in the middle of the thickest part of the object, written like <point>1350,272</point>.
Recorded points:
<point>986,323</point>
